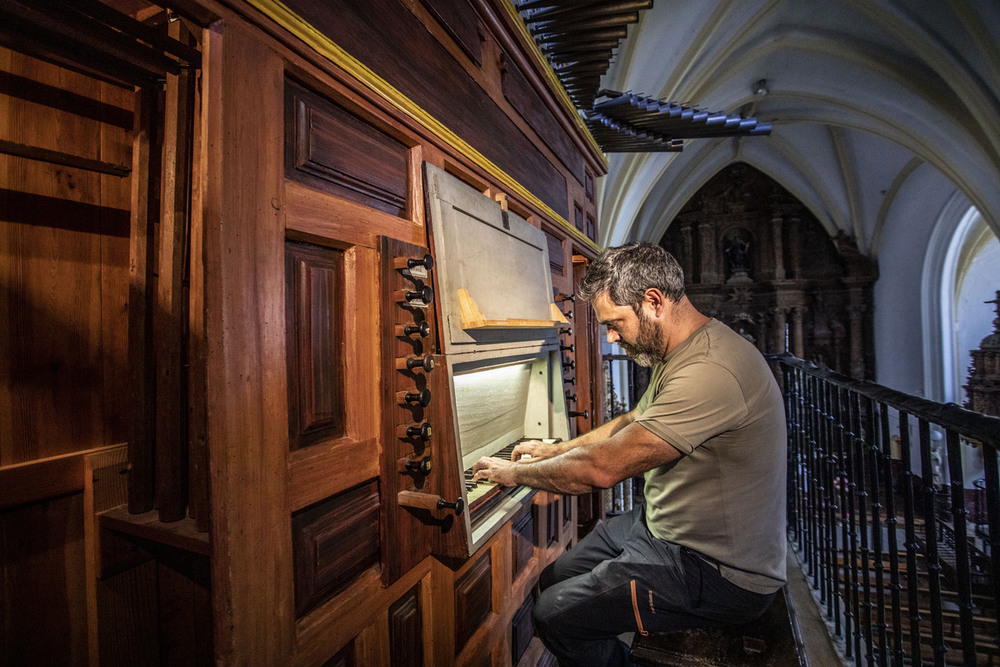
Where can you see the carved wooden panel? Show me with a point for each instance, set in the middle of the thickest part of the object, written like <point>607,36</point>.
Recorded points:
<point>406,645</point>
<point>557,260</point>
<point>473,593</point>
<point>328,147</point>
<point>522,542</point>
<point>521,631</point>
<point>333,542</point>
<point>314,285</point>
<point>461,22</point>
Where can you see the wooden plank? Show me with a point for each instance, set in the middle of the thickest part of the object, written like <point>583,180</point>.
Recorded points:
<point>170,315</point>
<point>198,500</point>
<point>314,216</point>
<point>116,194</point>
<point>319,471</point>
<point>181,534</point>
<point>43,572</point>
<point>371,646</point>
<point>28,482</point>
<point>145,179</point>
<point>245,339</point>
<point>51,237</point>
<point>60,158</point>
<point>104,487</point>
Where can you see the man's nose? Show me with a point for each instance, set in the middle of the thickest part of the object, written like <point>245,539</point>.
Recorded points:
<point>613,336</point>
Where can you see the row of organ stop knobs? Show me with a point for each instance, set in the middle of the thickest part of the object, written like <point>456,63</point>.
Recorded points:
<point>570,364</point>
<point>417,298</point>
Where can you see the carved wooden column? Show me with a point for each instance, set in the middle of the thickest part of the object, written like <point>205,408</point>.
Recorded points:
<point>687,254</point>
<point>779,252</point>
<point>709,254</point>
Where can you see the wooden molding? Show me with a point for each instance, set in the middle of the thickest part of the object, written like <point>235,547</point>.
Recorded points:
<point>472,317</point>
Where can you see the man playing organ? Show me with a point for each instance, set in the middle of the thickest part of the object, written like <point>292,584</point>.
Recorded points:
<point>709,437</point>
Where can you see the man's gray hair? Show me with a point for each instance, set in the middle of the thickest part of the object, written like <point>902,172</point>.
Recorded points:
<point>626,272</point>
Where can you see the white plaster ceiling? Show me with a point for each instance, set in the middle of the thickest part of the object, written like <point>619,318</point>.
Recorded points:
<point>878,108</point>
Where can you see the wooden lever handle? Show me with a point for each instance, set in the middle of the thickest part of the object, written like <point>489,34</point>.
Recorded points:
<point>429,501</point>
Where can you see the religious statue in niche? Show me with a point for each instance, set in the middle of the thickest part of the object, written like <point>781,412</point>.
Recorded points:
<point>736,248</point>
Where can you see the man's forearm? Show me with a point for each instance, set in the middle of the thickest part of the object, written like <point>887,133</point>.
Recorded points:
<point>569,472</point>
<point>601,433</point>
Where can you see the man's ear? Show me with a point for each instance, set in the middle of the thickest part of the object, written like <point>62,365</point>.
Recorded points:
<point>655,300</point>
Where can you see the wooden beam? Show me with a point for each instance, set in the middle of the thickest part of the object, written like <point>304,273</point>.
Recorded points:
<point>32,481</point>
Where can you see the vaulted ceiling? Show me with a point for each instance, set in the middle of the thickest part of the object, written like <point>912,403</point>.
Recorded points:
<point>881,111</point>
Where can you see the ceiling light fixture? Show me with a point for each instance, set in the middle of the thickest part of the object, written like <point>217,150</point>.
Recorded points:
<point>760,88</point>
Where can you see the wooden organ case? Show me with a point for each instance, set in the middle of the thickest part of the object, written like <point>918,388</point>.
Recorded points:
<point>299,287</point>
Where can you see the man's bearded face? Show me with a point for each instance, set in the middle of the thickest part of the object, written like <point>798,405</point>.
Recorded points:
<point>647,350</point>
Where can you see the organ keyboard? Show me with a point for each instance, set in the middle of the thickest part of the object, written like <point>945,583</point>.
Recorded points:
<point>483,494</point>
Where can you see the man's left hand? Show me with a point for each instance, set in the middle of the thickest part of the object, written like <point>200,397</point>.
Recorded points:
<point>494,470</point>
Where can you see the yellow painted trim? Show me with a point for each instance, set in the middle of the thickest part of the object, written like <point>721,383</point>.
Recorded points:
<point>324,46</point>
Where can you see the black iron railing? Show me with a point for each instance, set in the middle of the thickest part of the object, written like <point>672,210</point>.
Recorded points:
<point>901,549</point>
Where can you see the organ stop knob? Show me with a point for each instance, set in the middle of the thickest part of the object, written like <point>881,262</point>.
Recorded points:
<point>422,466</point>
<point>422,397</point>
<point>425,294</point>
<point>423,431</point>
<point>423,329</point>
<point>409,363</point>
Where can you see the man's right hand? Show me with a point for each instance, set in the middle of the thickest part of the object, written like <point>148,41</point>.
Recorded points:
<point>534,450</point>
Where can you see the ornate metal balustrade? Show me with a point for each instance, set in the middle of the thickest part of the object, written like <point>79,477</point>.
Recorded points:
<point>900,546</point>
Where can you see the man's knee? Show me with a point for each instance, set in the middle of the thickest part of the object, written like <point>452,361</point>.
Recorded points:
<point>548,576</point>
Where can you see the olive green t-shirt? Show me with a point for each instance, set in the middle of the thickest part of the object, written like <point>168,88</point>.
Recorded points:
<point>715,400</point>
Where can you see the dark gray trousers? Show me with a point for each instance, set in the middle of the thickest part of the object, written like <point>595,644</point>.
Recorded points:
<point>619,578</point>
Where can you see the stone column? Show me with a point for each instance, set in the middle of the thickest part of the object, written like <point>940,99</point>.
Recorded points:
<point>709,254</point>
<point>762,333</point>
<point>779,251</point>
<point>687,249</point>
<point>780,325</point>
<point>838,346</point>
<point>855,314</point>
<point>798,344</point>
<point>795,251</point>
